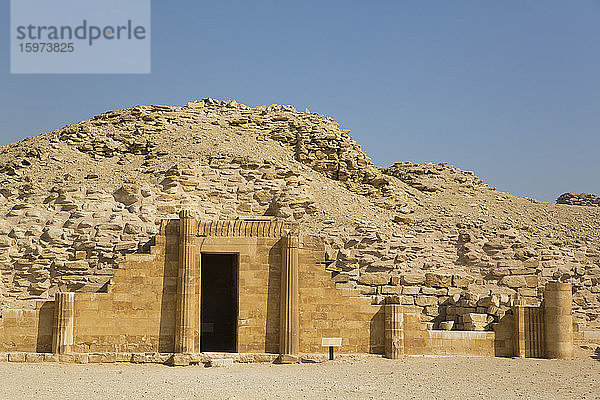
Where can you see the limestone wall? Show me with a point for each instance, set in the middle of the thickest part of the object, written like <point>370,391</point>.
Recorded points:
<point>27,330</point>
<point>137,314</point>
<point>329,312</point>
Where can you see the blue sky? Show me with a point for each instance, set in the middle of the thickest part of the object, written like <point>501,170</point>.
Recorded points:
<point>510,90</point>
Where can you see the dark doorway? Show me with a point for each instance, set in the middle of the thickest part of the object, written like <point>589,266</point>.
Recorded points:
<point>218,302</point>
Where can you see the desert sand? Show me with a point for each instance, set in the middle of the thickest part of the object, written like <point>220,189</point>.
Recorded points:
<point>372,378</point>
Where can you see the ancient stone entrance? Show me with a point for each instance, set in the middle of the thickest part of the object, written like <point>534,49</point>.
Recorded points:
<point>218,302</point>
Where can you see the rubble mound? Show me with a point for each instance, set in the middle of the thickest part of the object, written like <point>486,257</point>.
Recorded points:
<point>76,200</point>
<point>581,199</point>
<point>429,177</point>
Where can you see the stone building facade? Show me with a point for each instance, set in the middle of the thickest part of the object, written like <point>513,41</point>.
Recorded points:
<point>256,289</point>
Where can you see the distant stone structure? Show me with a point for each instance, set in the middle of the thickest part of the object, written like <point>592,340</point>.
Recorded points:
<point>581,199</point>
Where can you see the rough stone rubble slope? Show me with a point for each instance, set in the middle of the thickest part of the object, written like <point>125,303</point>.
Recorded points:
<point>76,200</point>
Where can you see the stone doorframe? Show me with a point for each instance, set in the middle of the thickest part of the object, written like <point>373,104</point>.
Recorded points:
<point>231,237</point>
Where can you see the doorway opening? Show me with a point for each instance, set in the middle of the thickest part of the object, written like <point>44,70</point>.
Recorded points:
<point>218,302</point>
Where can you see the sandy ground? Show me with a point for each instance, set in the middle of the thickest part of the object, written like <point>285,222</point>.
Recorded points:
<point>411,378</point>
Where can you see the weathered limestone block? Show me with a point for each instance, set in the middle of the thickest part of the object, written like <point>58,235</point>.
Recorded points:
<point>446,325</point>
<point>513,281</point>
<point>411,290</point>
<point>133,228</point>
<point>17,357</point>
<point>78,265</point>
<point>433,311</point>
<point>434,291</point>
<point>423,300</point>
<point>394,290</point>
<point>34,357</point>
<point>413,279</point>
<point>6,241</point>
<point>475,322</point>
<point>374,278</point>
<point>128,194</point>
<point>462,281</point>
<point>438,280</point>
<point>52,234</point>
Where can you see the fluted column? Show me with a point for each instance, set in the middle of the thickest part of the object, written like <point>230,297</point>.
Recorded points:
<point>288,343</point>
<point>558,320</point>
<point>64,316</point>
<point>394,331</point>
<point>519,332</point>
<point>188,280</point>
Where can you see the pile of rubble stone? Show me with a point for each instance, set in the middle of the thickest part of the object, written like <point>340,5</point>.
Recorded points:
<point>581,199</point>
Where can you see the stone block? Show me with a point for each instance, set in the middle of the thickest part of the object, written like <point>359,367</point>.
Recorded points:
<point>407,300</point>
<point>163,358</point>
<point>123,357</point>
<point>423,300</point>
<point>374,278</point>
<point>50,357</point>
<point>446,325</point>
<point>413,279</point>
<point>475,322</point>
<point>462,281</point>
<point>528,292</point>
<point>263,358</point>
<point>438,280</point>
<point>282,359</point>
<point>103,358</point>
<point>34,357</point>
<point>391,290</point>
<point>433,311</point>
<point>434,291</point>
<point>179,360</point>
<point>17,357</point>
<point>81,358</point>
<point>66,358</point>
<point>79,265</point>
<point>513,281</point>
<point>140,358</point>
<point>197,358</point>
<point>531,281</point>
<point>411,290</point>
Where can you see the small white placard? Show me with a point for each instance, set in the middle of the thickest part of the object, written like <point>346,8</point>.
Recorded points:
<point>331,342</point>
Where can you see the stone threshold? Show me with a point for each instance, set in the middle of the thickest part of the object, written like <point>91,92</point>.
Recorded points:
<point>175,359</point>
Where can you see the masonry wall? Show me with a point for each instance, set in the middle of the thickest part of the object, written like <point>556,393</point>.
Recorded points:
<point>420,341</point>
<point>27,330</point>
<point>329,312</point>
<point>138,312</point>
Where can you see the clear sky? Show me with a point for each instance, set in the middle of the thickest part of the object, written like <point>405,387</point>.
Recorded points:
<point>508,89</point>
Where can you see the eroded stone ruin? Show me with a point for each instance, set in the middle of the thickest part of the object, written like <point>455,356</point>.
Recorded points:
<point>581,199</point>
<point>423,249</point>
